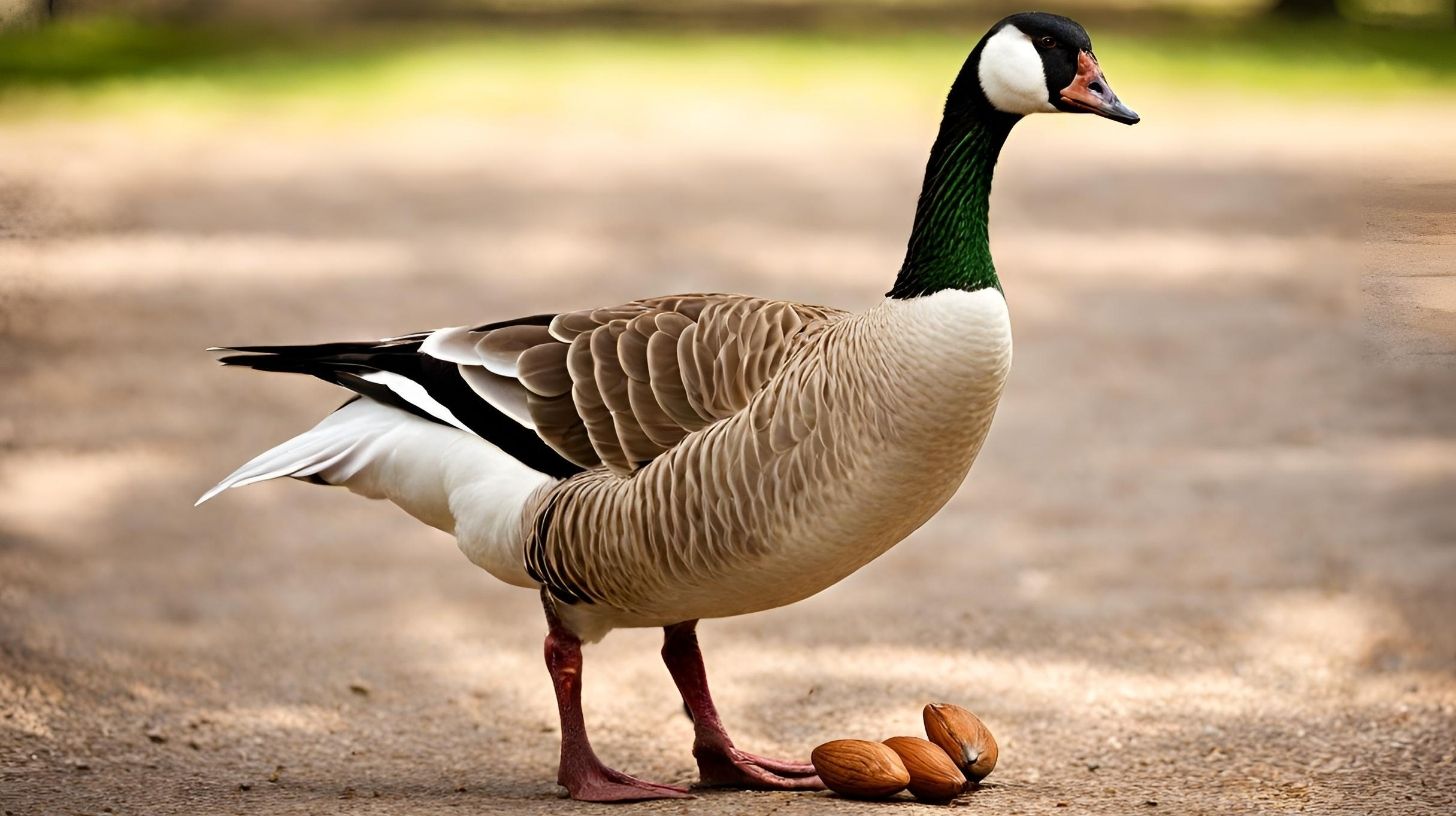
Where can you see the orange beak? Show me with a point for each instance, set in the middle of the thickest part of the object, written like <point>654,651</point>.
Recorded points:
<point>1090,93</point>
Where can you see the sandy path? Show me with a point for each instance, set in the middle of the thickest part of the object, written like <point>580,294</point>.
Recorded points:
<point>1207,562</point>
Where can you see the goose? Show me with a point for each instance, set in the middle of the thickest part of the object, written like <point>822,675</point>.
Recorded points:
<point>698,456</point>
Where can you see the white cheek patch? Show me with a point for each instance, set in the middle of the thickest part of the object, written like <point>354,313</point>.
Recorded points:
<point>1012,75</point>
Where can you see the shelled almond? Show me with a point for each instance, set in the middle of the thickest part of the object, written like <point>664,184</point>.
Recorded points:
<point>959,753</point>
<point>860,768</point>
<point>964,737</point>
<point>933,777</point>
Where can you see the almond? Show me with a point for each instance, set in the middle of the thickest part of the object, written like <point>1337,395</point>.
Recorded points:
<point>933,777</point>
<point>860,768</point>
<point>964,737</point>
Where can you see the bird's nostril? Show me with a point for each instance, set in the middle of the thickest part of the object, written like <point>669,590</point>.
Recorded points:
<point>1095,87</point>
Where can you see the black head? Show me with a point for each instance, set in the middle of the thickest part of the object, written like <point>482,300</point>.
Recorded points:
<point>1039,63</point>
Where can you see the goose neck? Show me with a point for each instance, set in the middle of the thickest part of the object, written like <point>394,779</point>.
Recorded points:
<point>950,245</point>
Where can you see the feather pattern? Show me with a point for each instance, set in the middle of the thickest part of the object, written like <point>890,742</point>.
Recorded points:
<point>701,455</point>
<point>615,386</point>
<point>620,386</point>
<point>852,442</point>
<point>645,374</point>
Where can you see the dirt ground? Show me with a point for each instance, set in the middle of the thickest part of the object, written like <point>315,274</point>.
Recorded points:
<point>1206,563</point>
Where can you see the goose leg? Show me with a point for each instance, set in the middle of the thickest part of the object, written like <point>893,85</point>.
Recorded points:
<point>581,773</point>
<point>720,763</point>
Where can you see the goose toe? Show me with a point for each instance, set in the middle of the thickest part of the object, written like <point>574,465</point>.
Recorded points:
<point>733,768</point>
<point>607,785</point>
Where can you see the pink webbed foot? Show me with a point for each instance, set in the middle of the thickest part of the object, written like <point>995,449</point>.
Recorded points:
<point>720,763</point>
<point>581,773</point>
<point>729,767</point>
<point>598,783</point>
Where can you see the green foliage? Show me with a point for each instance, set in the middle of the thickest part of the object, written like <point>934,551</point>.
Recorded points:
<point>88,51</point>
<point>117,65</point>
<point>1331,59</point>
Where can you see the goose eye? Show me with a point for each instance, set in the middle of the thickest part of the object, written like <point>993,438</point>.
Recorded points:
<point>1047,42</point>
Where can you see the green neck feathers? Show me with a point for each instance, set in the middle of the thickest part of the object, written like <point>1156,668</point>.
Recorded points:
<point>950,246</point>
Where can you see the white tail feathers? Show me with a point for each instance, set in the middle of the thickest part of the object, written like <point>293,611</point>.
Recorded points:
<point>448,478</point>
<point>333,451</point>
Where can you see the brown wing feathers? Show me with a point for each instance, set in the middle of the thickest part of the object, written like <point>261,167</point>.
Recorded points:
<point>619,386</point>
<point>612,387</point>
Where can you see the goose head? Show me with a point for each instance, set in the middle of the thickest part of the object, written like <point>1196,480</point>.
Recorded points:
<point>1039,63</point>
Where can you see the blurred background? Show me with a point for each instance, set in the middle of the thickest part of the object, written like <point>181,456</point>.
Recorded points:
<point>1206,562</point>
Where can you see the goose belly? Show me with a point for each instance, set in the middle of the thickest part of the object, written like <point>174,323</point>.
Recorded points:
<point>852,526</point>
<point>906,398</point>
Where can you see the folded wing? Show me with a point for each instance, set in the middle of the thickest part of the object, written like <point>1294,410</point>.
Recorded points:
<point>612,387</point>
